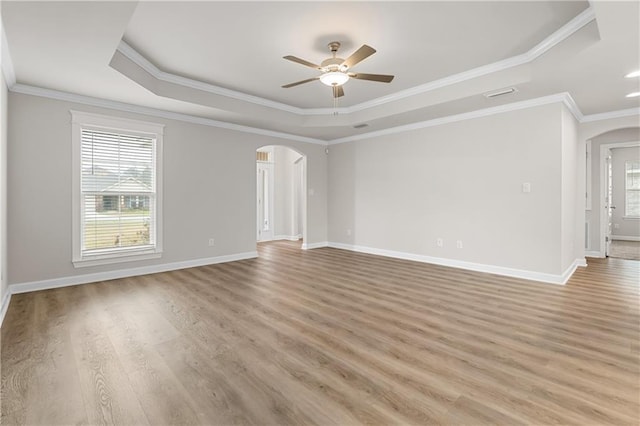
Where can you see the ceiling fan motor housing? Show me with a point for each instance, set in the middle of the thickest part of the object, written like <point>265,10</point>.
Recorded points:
<point>332,64</point>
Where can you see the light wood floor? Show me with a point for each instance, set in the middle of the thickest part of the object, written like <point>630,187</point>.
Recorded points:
<point>327,337</point>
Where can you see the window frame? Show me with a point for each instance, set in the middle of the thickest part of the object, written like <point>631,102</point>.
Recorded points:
<point>626,191</point>
<point>90,121</point>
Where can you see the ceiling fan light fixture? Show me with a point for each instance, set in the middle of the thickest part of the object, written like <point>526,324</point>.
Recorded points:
<point>334,78</point>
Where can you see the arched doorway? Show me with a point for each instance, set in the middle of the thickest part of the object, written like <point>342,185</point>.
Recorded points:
<point>606,219</point>
<point>281,197</point>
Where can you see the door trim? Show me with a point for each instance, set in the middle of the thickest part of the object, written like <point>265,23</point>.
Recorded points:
<point>260,234</point>
<point>601,213</point>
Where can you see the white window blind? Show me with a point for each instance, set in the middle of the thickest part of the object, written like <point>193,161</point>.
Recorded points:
<point>117,189</point>
<point>118,185</point>
<point>632,189</point>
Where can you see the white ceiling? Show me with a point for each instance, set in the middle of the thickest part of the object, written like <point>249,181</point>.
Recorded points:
<point>223,60</point>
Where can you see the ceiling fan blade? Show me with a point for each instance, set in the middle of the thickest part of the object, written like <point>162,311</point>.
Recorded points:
<point>338,91</point>
<point>302,62</point>
<point>286,86</point>
<point>359,55</point>
<point>382,78</point>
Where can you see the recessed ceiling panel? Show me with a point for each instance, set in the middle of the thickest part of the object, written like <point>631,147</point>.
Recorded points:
<point>240,45</point>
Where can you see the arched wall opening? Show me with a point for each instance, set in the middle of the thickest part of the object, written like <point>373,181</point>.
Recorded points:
<point>281,194</point>
<point>599,147</point>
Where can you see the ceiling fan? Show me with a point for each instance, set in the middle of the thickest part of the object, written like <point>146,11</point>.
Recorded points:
<point>335,70</point>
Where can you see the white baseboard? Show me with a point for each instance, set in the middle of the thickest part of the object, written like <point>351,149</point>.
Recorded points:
<point>5,305</point>
<point>310,246</point>
<point>593,254</point>
<point>478,267</point>
<point>572,268</point>
<point>123,273</point>
<point>625,238</point>
<point>286,237</point>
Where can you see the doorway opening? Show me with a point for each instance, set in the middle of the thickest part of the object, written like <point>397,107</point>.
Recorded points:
<point>620,224</point>
<point>281,197</point>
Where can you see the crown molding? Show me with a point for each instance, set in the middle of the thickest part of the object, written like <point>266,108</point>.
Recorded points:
<point>564,98</point>
<point>121,106</point>
<point>552,40</point>
<point>611,114</point>
<point>562,33</point>
<point>571,105</point>
<point>149,67</point>
<point>5,57</point>
<point>557,37</point>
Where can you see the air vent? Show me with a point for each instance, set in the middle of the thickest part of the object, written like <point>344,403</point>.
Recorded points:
<point>360,126</point>
<point>502,92</point>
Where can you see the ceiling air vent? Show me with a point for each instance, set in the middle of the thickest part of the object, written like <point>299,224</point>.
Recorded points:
<point>501,92</point>
<point>360,126</point>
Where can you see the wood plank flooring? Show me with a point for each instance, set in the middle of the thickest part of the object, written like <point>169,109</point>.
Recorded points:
<point>327,337</point>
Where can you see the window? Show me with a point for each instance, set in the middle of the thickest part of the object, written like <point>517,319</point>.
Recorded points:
<point>117,189</point>
<point>632,188</point>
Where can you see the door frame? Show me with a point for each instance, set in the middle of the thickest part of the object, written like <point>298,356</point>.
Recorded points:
<point>602,214</point>
<point>268,166</point>
<point>607,200</point>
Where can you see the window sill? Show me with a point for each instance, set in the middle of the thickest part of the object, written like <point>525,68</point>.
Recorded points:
<point>631,217</point>
<point>107,259</point>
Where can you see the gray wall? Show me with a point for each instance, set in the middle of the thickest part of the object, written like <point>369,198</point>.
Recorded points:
<point>284,159</point>
<point>459,181</point>
<point>209,190</point>
<point>462,181</point>
<point>622,226</point>
<point>3,188</point>
<point>594,215</point>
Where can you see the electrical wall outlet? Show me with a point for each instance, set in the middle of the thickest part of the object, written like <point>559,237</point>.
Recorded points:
<point>459,244</point>
<point>348,232</point>
<point>212,242</point>
<point>440,242</point>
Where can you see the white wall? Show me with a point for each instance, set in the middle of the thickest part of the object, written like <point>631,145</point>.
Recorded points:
<point>623,227</point>
<point>209,190</point>
<point>572,234</point>
<point>594,215</point>
<point>461,181</point>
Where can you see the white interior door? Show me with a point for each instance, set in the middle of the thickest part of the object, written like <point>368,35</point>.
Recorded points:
<point>608,194</point>
<point>265,201</point>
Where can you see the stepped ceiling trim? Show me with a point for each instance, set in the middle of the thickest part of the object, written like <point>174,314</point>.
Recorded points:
<point>587,16</point>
